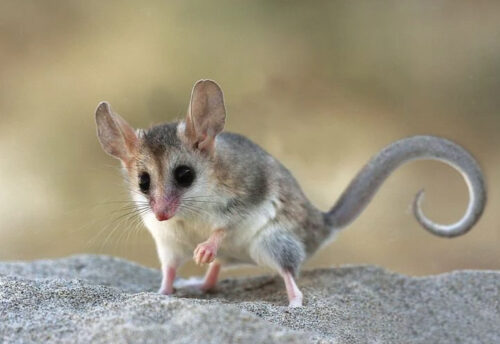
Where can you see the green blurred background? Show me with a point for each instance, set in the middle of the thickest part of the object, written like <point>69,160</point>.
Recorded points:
<point>321,85</point>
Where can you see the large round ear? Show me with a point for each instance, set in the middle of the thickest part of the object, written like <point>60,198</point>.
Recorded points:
<point>116,136</point>
<point>206,115</point>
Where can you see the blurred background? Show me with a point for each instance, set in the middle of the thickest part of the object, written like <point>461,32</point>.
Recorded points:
<point>322,86</point>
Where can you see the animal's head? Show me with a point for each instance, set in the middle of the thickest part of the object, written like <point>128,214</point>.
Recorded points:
<point>170,167</point>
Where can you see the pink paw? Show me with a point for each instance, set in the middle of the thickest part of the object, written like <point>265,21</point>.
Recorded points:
<point>166,291</point>
<point>296,302</point>
<point>205,253</point>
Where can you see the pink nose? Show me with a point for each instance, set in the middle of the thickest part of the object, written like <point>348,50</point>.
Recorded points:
<point>162,216</point>
<point>165,208</point>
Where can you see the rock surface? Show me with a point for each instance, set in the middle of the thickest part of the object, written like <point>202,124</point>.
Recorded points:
<point>101,299</point>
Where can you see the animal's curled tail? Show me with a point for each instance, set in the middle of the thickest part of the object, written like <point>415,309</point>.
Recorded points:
<point>363,187</point>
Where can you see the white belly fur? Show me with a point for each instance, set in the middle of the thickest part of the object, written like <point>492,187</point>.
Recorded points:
<point>177,238</point>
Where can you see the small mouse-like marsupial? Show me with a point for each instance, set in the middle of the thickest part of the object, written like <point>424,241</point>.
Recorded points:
<point>220,198</point>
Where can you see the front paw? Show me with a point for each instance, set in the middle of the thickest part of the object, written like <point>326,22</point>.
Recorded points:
<point>205,253</point>
<point>166,290</point>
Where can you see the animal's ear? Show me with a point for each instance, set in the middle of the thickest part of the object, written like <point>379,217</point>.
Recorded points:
<point>116,136</point>
<point>206,115</point>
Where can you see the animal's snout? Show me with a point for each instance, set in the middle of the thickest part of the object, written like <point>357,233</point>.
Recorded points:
<point>165,208</point>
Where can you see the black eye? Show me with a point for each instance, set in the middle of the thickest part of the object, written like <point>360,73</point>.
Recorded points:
<point>144,182</point>
<point>184,175</point>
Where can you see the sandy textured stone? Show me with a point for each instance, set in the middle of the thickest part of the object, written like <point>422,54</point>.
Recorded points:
<point>101,299</point>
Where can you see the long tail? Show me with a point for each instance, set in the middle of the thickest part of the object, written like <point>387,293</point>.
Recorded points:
<point>363,187</point>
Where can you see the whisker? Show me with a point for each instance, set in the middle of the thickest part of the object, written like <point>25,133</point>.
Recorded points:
<point>117,222</point>
<point>128,217</point>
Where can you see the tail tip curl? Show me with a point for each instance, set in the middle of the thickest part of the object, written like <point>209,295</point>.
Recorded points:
<point>447,231</point>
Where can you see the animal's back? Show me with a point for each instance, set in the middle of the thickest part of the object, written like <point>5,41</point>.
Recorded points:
<point>262,178</point>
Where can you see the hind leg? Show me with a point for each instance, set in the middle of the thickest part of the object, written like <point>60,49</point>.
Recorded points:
<point>284,253</point>
<point>294,293</point>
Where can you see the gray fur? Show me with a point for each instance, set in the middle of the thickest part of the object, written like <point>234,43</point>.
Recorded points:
<point>248,195</point>
<point>263,177</point>
<point>284,249</point>
<point>244,162</point>
<point>361,190</point>
<point>162,137</point>
<point>260,177</point>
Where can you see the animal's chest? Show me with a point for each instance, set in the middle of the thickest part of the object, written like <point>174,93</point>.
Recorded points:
<point>183,235</point>
<point>178,233</point>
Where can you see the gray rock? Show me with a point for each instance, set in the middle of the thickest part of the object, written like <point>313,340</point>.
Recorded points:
<point>101,299</point>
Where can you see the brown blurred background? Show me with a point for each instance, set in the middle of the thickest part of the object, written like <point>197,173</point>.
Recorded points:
<point>321,85</point>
